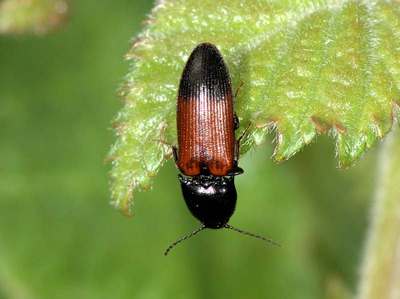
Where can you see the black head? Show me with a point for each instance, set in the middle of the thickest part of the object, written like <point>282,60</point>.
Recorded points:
<point>210,199</point>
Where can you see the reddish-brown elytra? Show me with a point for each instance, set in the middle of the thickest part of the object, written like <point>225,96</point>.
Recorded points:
<point>205,116</point>
<point>207,153</point>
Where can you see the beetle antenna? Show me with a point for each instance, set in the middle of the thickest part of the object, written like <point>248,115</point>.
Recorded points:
<point>252,235</point>
<point>193,233</point>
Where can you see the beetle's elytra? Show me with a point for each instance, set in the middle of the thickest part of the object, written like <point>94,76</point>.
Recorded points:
<point>207,153</point>
<point>205,116</point>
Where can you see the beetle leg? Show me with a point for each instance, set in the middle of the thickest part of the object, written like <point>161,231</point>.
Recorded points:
<point>235,117</point>
<point>236,170</point>
<point>173,147</point>
<point>236,152</point>
<point>175,154</point>
<point>237,143</point>
<point>245,132</point>
<point>235,121</point>
<point>238,88</point>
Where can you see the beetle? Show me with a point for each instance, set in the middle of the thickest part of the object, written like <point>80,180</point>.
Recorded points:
<point>208,153</point>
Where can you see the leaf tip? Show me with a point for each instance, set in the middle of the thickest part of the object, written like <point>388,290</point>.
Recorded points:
<point>124,205</point>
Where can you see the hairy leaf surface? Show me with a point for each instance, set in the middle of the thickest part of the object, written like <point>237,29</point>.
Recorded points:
<point>307,67</point>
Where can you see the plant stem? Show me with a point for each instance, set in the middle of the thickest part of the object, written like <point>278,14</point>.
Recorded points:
<point>380,271</point>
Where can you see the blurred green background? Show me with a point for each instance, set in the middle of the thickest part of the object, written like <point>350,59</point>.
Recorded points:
<point>60,238</point>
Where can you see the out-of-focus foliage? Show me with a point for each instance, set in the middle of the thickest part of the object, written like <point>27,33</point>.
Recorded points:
<point>31,16</point>
<point>308,67</point>
<point>380,275</point>
<point>59,238</point>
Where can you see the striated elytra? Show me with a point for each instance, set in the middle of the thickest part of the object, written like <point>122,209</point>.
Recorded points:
<point>208,152</point>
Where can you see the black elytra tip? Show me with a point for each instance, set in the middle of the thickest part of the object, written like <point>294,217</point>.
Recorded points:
<point>205,67</point>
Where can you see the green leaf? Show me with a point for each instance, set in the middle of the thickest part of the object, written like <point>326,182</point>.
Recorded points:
<point>308,67</point>
<point>33,16</point>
